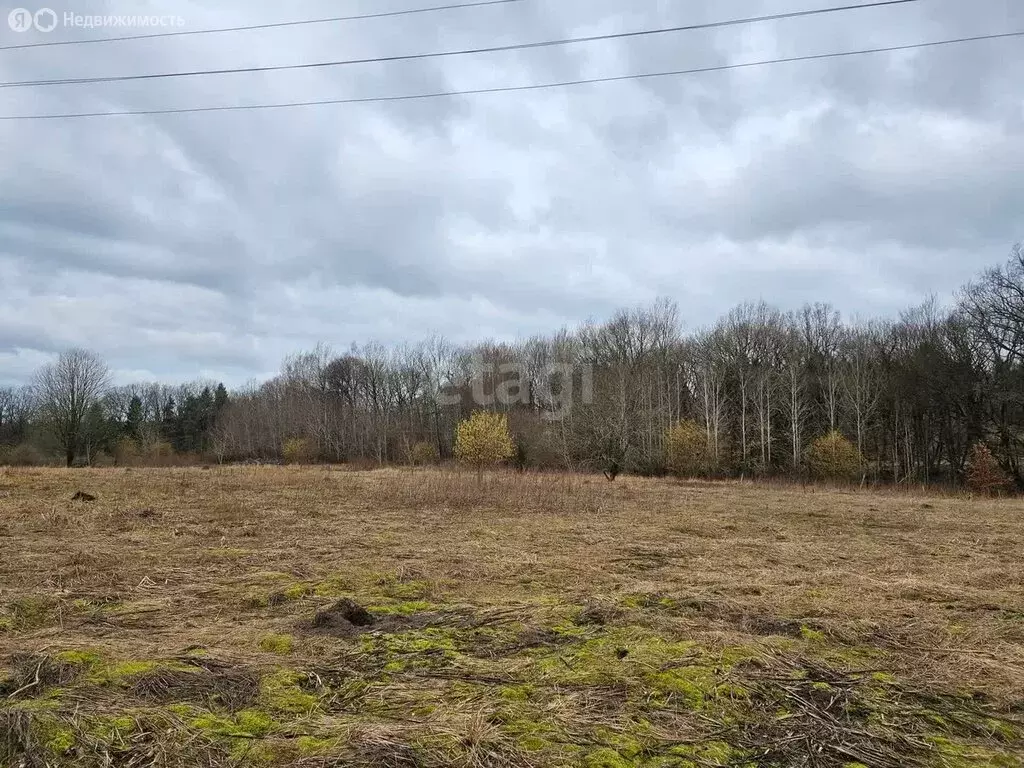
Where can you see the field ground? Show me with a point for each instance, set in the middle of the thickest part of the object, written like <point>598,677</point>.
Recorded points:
<point>219,617</point>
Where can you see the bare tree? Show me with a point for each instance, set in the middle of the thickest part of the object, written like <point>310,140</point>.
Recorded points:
<point>767,353</point>
<point>6,408</point>
<point>994,306</point>
<point>308,380</point>
<point>66,390</point>
<point>794,374</point>
<point>823,330</point>
<point>740,334</point>
<point>628,355</point>
<point>861,378</point>
<point>709,385</point>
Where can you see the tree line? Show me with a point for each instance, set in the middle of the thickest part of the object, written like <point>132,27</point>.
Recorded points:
<point>72,412</point>
<point>914,394</point>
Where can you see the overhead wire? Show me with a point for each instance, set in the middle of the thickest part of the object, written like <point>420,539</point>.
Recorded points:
<point>531,87</point>
<point>461,52</point>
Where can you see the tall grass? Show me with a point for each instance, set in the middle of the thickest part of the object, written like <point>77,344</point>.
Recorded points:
<point>452,489</point>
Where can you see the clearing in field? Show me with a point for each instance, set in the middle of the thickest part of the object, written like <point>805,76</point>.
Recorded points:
<point>317,617</point>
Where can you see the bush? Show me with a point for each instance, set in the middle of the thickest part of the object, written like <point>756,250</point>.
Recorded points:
<point>536,443</point>
<point>424,453</point>
<point>686,449</point>
<point>298,450</point>
<point>158,453</point>
<point>102,459</point>
<point>126,452</point>
<point>23,455</point>
<point>520,457</point>
<point>984,475</point>
<point>833,457</point>
<point>484,440</point>
<point>650,466</point>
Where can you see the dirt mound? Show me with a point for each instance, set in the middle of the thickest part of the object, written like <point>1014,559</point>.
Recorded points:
<point>345,610</point>
<point>343,618</point>
<point>596,614</point>
<point>347,618</point>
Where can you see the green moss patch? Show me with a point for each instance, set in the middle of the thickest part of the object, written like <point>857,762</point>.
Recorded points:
<point>286,692</point>
<point>28,613</point>
<point>557,685</point>
<point>282,645</point>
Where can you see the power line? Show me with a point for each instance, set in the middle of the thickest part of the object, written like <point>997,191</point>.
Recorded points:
<point>275,25</point>
<point>464,52</point>
<point>516,88</point>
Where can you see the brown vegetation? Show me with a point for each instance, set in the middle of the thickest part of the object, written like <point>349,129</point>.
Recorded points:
<point>686,449</point>
<point>318,617</point>
<point>984,475</point>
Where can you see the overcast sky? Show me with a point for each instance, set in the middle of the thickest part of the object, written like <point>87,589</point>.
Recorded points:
<point>210,245</point>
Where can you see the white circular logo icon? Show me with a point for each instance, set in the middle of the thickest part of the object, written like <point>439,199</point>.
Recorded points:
<point>45,20</point>
<point>20,20</point>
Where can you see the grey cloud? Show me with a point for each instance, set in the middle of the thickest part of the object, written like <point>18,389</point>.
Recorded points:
<point>214,244</point>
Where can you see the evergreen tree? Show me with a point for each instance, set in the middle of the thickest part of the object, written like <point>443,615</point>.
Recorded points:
<point>134,420</point>
<point>169,427</point>
<point>220,398</point>
<point>189,424</point>
<point>205,413</point>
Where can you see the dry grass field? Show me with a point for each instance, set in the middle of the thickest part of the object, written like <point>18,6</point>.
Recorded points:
<point>318,617</point>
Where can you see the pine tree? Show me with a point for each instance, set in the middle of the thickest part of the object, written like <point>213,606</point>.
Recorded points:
<point>169,426</point>
<point>134,420</point>
<point>220,398</point>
